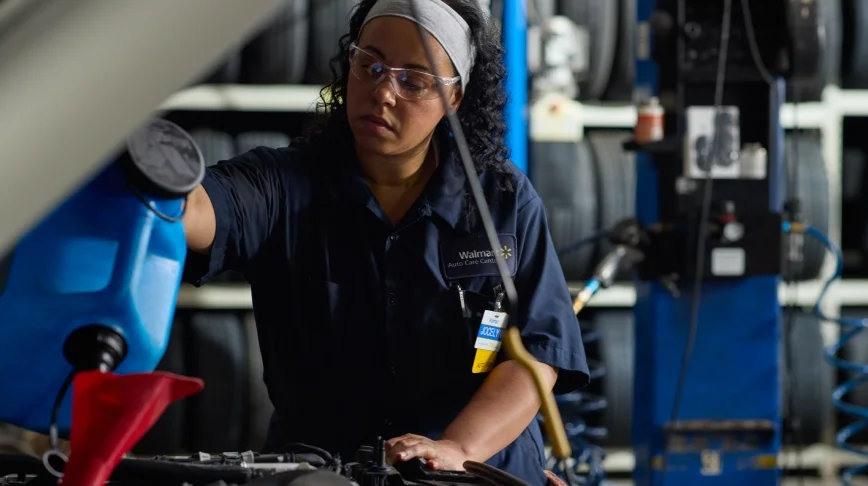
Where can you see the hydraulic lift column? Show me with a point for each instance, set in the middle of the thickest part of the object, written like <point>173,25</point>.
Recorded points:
<point>715,419</point>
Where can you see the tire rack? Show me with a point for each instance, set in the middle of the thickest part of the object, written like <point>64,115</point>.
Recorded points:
<point>826,116</point>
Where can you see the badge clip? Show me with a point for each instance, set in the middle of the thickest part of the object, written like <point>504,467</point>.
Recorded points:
<point>464,311</point>
<point>488,339</point>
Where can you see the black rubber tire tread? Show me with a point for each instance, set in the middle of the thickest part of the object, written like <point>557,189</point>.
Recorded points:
<point>813,378</point>
<point>215,146</point>
<point>855,45</point>
<point>616,186</point>
<point>600,18</point>
<point>278,54</point>
<point>834,23</point>
<point>217,353</point>
<point>616,347</point>
<point>565,178</point>
<point>853,164</point>
<point>855,351</point>
<point>830,62</point>
<point>806,174</point>
<point>259,408</point>
<point>623,77</point>
<point>329,21</point>
<point>166,436</point>
<point>250,140</point>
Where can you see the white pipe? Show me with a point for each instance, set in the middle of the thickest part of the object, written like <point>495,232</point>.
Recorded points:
<point>77,76</point>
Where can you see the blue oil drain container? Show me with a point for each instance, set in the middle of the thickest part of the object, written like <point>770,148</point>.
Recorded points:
<point>94,285</point>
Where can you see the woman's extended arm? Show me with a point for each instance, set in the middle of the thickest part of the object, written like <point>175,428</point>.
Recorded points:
<point>200,223</point>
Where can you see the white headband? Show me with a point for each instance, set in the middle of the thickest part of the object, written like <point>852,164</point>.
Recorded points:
<point>442,22</point>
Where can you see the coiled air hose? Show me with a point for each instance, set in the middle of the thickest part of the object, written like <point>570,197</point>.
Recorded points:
<point>850,328</point>
<point>587,455</point>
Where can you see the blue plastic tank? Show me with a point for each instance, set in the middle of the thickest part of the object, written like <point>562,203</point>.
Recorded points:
<point>109,258</point>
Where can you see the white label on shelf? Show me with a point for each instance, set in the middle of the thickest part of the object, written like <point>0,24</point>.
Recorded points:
<point>556,118</point>
<point>727,262</point>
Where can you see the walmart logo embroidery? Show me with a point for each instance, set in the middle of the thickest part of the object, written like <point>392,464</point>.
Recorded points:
<point>505,252</point>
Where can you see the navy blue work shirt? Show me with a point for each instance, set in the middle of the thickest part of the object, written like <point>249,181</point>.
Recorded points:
<point>360,323</point>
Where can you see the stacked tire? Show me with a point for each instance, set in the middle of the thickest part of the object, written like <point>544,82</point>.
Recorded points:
<point>232,412</point>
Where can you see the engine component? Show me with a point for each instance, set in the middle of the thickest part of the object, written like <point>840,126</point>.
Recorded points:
<point>805,179</point>
<point>600,19</point>
<point>199,469</point>
<point>278,55</point>
<point>564,174</point>
<point>492,475</point>
<point>303,477</point>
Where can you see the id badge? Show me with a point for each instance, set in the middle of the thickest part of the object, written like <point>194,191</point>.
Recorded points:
<point>488,339</point>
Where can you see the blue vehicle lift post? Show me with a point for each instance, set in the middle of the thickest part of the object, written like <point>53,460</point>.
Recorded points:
<point>728,427</point>
<point>516,113</point>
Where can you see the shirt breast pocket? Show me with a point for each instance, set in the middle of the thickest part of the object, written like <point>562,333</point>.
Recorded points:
<point>463,322</point>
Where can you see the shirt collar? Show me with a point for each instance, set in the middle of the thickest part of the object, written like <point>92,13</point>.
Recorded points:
<point>444,194</point>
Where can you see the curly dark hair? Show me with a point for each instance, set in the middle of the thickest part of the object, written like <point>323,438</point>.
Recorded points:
<point>481,110</point>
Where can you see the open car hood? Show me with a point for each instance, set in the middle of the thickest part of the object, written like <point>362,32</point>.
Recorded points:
<point>77,76</point>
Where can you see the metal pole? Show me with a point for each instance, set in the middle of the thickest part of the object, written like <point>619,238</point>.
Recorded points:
<point>516,113</point>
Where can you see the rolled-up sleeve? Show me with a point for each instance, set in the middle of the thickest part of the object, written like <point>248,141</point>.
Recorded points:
<point>549,327</point>
<point>247,193</point>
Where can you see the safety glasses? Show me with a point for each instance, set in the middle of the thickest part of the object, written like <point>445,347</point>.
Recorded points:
<point>409,84</point>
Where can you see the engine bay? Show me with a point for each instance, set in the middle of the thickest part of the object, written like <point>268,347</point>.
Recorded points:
<point>300,465</point>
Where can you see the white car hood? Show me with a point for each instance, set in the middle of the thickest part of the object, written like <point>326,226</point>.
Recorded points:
<point>77,76</point>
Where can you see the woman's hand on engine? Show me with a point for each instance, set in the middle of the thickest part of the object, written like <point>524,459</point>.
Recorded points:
<point>443,455</point>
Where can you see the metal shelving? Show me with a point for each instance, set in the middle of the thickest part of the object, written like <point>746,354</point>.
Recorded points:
<point>301,98</point>
<point>843,293</point>
<point>827,116</point>
<point>823,459</point>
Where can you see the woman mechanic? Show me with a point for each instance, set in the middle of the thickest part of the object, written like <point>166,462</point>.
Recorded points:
<point>368,263</point>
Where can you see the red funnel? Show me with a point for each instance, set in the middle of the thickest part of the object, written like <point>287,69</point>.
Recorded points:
<point>111,413</point>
